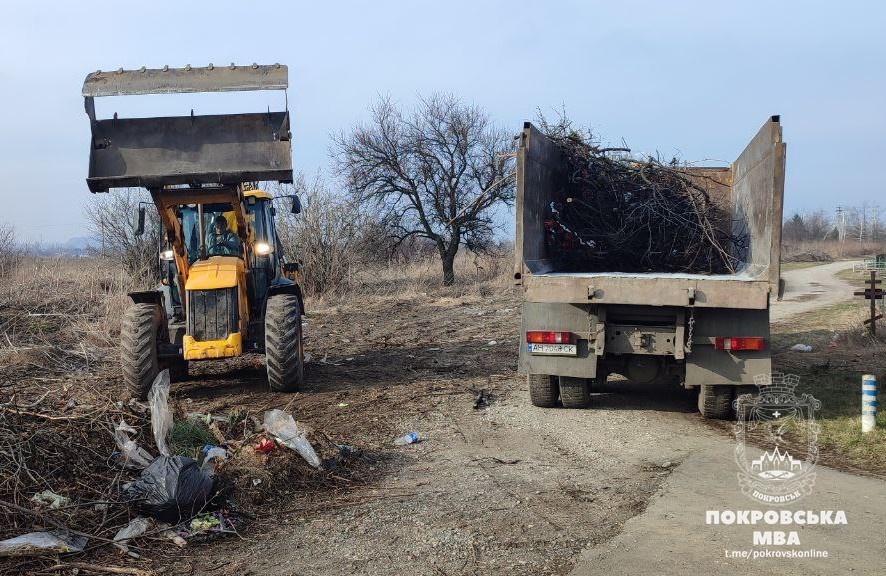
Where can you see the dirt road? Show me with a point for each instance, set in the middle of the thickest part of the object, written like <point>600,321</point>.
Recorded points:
<point>503,488</point>
<point>808,289</point>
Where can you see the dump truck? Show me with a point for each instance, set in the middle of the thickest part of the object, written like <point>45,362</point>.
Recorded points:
<point>709,332</point>
<point>227,288</point>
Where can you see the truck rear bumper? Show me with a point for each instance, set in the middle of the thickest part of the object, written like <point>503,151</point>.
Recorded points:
<point>632,340</point>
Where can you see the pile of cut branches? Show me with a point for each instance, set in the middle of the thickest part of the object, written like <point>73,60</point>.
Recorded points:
<point>619,213</point>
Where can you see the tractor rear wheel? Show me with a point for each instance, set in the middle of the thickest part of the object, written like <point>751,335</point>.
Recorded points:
<point>284,351</point>
<point>140,331</point>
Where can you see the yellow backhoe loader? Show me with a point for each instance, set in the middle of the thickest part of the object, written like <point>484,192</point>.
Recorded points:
<point>227,288</point>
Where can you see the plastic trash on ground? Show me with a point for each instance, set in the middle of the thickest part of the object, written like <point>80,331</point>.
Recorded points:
<point>55,501</point>
<point>134,456</point>
<point>282,426</point>
<point>40,543</point>
<point>410,438</point>
<point>215,457</point>
<point>801,348</point>
<point>135,528</point>
<point>172,488</point>
<point>161,415</point>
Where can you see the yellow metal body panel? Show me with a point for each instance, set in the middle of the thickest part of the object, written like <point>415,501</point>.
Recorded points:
<point>228,348</point>
<point>256,194</point>
<point>216,272</point>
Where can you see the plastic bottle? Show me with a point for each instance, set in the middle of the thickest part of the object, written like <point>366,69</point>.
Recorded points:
<point>410,438</point>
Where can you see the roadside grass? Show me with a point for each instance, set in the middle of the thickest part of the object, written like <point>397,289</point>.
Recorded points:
<point>842,352</point>
<point>788,266</point>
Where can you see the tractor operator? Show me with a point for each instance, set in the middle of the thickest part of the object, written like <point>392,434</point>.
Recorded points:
<point>223,242</point>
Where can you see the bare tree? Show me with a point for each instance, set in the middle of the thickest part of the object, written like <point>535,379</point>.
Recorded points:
<point>11,252</point>
<point>331,236</point>
<point>111,219</point>
<point>437,173</point>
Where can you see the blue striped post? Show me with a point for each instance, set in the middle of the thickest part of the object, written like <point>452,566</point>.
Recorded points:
<point>868,403</point>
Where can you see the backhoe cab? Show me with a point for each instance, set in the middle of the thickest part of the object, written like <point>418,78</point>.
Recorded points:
<point>226,287</point>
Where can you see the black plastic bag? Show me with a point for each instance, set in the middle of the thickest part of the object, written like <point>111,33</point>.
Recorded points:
<point>171,489</point>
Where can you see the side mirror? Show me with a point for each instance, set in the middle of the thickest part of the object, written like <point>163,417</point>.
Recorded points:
<point>296,204</point>
<point>140,228</point>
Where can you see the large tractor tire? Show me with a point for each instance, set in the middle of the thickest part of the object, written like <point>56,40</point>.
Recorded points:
<point>715,402</point>
<point>284,351</point>
<point>543,390</point>
<point>140,331</point>
<point>574,392</point>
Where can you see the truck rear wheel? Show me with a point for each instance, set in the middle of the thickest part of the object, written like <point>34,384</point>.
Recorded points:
<point>574,392</point>
<point>140,332</point>
<point>543,390</point>
<point>284,351</point>
<point>715,402</point>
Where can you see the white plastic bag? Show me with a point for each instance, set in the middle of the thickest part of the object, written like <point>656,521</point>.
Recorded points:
<point>282,426</point>
<point>136,527</point>
<point>135,456</point>
<point>161,415</point>
<point>41,543</point>
<point>214,458</point>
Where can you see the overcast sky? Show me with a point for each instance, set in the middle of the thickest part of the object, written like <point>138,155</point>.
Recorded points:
<point>677,77</point>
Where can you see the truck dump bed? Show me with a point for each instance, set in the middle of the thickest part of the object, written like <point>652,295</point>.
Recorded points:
<point>751,190</point>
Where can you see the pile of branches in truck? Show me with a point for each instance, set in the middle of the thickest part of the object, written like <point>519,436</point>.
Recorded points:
<point>619,213</point>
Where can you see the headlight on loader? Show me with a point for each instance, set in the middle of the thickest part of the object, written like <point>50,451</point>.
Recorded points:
<point>263,248</point>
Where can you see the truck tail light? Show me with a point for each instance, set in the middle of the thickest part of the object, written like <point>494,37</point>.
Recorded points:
<point>742,343</point>
<point>547,337</point>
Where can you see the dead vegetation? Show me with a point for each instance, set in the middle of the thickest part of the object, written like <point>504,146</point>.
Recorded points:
<point>60,397</point>
<point>619,212</point>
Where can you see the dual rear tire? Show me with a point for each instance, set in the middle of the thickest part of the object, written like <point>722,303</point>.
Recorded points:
<point>547,391</point>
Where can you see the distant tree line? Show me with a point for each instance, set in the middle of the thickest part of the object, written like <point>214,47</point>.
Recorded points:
<point>864,223</point>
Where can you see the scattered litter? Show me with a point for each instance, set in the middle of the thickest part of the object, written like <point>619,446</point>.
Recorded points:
<point>351,359</point>
<point>176,539</point>
<point>161,415</point>
<point>55,501</point>
<point>214,457</point>
<point>264,445</point>
<point>411,438</point>
<point>434,349</point>
<point>208,526</point>
<point>282,426</point>
<point>308,357</point>
<point>40,543</point>
<point>491,343</point>
<point>170,489</point>
<point>342,404</point>
<point>801,348</point>
<point>136,527</point>
<point>256,481</point>
<point>134,456</point>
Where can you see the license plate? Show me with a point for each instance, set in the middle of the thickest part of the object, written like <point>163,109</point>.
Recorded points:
<point>554,349</point>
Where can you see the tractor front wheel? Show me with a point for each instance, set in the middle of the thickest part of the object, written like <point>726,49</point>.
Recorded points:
<point>284,351</point>
<point>140,332</point>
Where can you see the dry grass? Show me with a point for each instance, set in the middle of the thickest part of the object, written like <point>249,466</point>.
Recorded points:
<point>842,352</point>
<point>836,250</point>
<point>61,314</point>
<point>475,275</point>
